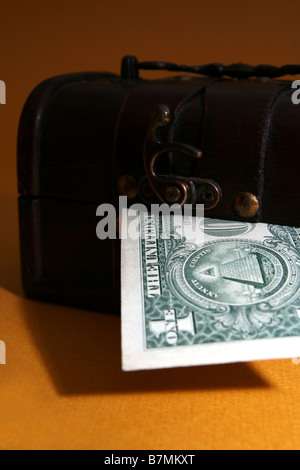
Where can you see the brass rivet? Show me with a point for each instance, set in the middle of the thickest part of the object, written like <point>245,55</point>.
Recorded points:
<point>127,186</point>
<point>172,194</point>
<point>245,205</point>
<point>207,196</point>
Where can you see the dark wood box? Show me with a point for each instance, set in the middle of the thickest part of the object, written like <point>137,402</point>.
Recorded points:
<point>80,134</point>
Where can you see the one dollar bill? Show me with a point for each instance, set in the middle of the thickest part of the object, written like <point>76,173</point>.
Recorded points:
<point>227,292</point>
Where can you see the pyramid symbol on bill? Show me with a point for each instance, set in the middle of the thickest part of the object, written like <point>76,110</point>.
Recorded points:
<point>245,270</point>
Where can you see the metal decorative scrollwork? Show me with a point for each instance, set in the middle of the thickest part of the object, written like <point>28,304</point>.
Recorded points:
<point>175,189</point>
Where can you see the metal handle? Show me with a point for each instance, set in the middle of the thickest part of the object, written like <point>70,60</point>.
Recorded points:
<point>131,67</point>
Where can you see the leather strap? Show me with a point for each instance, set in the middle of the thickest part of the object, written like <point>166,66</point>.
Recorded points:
<point>234,138</point>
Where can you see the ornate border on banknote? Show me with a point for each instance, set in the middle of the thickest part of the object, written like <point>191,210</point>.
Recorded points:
<point>233,297</point>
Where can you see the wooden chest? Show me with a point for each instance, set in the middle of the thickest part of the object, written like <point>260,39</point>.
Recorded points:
<point>228,140</point>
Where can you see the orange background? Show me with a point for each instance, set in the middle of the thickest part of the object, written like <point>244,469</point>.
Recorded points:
<point>62,386</point>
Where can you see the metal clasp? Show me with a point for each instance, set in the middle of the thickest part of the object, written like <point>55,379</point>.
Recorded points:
<point>175,189</point>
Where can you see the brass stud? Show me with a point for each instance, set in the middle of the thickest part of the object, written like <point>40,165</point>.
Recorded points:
<point>207,196</point>
<point>127,186</point>
<point>246,205</point>
<point>172,194</point>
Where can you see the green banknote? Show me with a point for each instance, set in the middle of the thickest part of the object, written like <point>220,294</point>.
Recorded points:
<point>208,291</point>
